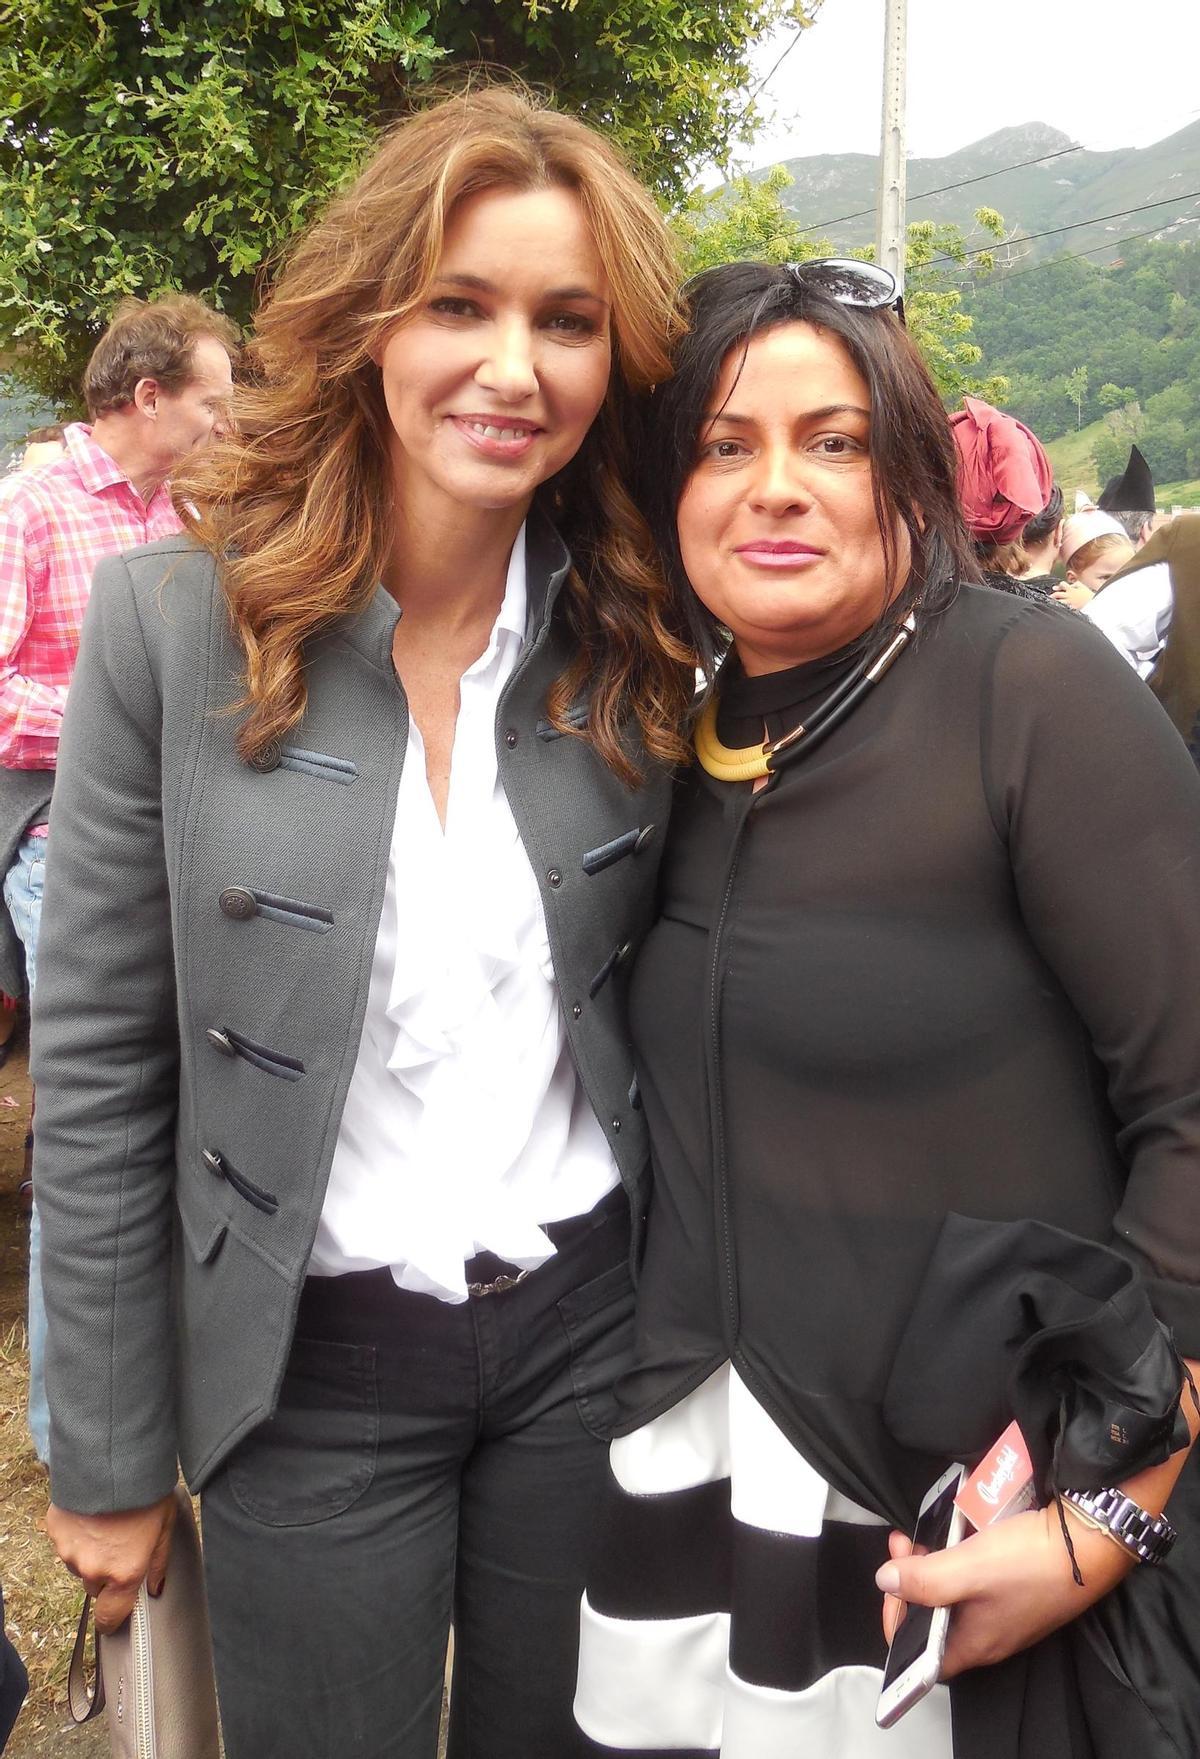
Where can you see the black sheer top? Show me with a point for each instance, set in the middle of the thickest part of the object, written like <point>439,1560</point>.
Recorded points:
<point>948,962</point>
<point>1034,586</point>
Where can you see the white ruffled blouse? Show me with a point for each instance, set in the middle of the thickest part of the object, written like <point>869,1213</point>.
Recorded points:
<point>465,1126</point>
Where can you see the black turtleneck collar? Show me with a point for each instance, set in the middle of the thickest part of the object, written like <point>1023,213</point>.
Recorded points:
<point>776,700</point>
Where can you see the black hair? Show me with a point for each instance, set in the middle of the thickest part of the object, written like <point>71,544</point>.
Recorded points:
<point>913,461</point>
<point>1040,528</point>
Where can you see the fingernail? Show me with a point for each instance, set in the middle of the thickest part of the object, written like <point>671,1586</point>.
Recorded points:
<point>887,1579</point>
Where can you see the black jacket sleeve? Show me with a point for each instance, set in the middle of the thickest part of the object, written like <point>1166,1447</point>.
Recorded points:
<point>1099,802</point>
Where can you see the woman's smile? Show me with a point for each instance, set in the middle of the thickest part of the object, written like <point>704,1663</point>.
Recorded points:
<point>778,531</point>
<point>493,382</point>
<point>497,436</point>
<point>777,553</point>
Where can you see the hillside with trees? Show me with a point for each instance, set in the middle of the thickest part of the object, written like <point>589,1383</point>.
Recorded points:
<point>1117,345</point>
<point>751,218</point>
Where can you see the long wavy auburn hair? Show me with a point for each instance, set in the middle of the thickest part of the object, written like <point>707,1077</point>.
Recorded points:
<point>296,503</point>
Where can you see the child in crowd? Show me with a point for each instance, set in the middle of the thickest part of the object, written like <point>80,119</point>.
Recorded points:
<point>1092,548</point>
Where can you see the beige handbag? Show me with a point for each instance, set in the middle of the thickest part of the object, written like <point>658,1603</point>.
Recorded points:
<point>155,1675</point>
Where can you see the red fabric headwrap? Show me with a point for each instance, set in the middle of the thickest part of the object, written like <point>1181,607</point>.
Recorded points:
<point>1004,477</point>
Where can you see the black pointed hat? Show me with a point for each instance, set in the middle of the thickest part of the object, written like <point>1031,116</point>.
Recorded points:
<point>1134,491</point>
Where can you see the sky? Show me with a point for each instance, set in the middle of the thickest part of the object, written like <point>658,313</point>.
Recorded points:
<point>1085,69</point>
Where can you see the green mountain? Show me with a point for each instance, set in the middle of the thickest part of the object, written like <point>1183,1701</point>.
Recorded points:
<point>1116,345</point>
<point>1032,199</point>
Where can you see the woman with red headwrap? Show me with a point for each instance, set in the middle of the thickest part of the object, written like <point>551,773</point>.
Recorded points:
<point>1010,501</point>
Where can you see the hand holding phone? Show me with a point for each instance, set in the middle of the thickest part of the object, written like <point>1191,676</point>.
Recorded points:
<point>919,1640</point>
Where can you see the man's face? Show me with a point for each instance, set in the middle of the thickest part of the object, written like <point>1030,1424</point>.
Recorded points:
<point>199,412</point>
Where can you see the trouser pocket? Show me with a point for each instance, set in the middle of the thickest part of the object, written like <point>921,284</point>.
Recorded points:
<point>316,1456</point>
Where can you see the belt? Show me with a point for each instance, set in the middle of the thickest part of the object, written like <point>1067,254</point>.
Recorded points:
<point>561,1234</point>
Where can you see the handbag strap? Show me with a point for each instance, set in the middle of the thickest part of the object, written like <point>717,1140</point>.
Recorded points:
<point>85,1697</point>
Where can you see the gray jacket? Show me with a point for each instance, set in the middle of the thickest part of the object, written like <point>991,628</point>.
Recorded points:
<point>206,945</point>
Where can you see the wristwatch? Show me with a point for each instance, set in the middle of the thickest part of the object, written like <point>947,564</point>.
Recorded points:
<point>1148,1537</point>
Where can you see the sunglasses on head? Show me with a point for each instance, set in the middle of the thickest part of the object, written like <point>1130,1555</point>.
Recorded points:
<point>851,283</point>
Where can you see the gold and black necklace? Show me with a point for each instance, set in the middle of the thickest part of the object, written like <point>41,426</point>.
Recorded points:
<point>749,762</point>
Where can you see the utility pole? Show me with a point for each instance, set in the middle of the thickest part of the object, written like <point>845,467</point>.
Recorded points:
<point>890,236</point>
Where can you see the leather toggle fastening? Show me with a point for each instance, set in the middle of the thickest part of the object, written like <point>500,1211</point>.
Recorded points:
<point>253,1194</point>
<point>272,1062</point>
<point>576,717</point>
<point>240,904</point>
<point>615,958</point>
<point>628,843</point>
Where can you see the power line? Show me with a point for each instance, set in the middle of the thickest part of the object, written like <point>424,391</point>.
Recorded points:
<point>769,75</point>
<point>1020,165</point>
<point>1073,256</point>
<point>1096,220</point>
<point>984,175</point>
<point>941,190</point>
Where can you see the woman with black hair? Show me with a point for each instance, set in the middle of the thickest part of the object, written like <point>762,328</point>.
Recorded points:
<point>917,1098</point>
<point>1039,542</point>
<point>1025,565</point>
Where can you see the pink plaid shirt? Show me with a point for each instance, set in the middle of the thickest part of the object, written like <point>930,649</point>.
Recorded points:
<point>56,523</point>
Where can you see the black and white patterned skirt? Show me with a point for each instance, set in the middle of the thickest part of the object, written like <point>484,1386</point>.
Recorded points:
<point>733,1609</point>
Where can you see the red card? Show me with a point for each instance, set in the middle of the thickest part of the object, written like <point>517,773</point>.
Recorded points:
<point>1002,1484</point>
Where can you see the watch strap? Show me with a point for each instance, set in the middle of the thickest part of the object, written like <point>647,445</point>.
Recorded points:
<point>1146,1537</point>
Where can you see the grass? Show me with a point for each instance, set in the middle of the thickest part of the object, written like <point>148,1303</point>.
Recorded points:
<point>1185,494</point>
<point>42,1601</point>
<point>1071,456</point>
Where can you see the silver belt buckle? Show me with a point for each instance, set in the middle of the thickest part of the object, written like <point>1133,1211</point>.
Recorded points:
<point>499,1285</point>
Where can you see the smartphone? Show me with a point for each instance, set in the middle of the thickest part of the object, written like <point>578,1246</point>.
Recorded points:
<point>919,1641</point>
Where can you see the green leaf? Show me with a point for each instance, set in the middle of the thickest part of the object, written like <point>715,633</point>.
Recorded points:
<point>193,139</point>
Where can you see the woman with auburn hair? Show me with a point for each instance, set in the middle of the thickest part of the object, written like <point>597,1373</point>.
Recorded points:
<point>343,1161</point>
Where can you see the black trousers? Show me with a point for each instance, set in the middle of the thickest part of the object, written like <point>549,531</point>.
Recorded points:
<point>427,1462</point>
<point>14,1682</point>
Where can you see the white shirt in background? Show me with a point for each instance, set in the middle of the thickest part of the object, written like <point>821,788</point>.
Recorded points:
<point>1135,614</point>
<point>465,1126</point>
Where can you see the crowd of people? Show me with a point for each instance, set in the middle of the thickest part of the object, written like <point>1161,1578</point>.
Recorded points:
<point>1015,512</point>
<point>555,1151</point>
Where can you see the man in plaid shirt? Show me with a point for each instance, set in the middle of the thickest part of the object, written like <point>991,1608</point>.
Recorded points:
<point>157,387</point>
